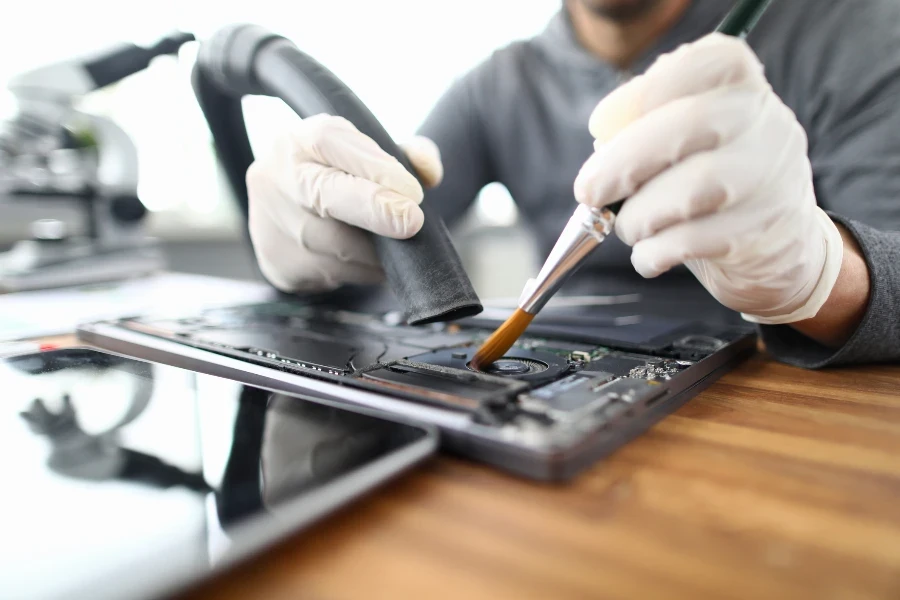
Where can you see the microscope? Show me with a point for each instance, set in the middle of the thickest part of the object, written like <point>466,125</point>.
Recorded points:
<point>50,151</point>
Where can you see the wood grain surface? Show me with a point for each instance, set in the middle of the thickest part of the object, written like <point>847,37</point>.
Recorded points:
<point>773,483</point>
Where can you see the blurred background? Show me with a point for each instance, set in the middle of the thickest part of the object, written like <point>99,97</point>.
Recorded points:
<point>393,53</point>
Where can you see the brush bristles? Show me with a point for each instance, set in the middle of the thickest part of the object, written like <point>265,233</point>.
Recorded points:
<point>502,340</point>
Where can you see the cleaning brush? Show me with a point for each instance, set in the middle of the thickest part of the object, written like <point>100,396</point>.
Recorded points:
<point>586,230</point>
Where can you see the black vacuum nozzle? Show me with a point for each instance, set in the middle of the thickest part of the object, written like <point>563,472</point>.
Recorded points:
<point>424,272</point>
<point>117,63</point>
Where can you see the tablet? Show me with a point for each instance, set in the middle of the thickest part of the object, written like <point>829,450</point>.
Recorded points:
<point>128,479</point>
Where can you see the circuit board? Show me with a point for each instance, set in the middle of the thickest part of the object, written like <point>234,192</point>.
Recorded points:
<point>543,379</point>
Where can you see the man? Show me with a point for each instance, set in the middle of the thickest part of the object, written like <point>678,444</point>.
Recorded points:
<point>722,176</point>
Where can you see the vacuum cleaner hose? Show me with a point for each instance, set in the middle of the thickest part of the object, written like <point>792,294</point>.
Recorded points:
<point>425,271</point>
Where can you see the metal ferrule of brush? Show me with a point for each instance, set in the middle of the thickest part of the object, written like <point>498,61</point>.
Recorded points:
<point>586,229</point>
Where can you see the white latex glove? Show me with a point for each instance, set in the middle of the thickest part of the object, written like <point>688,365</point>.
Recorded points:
<point>318,186</point>
<point>716,169</point>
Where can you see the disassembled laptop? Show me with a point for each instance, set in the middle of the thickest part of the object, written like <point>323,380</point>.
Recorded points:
<point>551,406</point>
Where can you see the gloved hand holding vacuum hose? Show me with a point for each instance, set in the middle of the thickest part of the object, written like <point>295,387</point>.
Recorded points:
<point>716,169</point>
<point>320,178</point>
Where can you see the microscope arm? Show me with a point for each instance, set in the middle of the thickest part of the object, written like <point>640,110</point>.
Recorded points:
<point>47,93</point>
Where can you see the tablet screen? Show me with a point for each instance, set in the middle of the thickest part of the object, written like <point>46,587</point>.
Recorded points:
<point>123,478</point>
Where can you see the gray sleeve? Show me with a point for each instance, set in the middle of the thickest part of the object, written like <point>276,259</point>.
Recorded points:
<point>845,65</point>
<point>877,339</point>
<point>455,125</point>
<point>852,112</point>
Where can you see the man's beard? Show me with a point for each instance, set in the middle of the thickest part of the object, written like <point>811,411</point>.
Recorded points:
<point>620,12</point>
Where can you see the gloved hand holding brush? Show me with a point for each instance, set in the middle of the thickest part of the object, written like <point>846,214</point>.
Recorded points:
<point>716,171</point>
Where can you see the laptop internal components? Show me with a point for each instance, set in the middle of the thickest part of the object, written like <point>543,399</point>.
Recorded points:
<point>559,397</point>
<point>552,379</point>
<point>532,366</point>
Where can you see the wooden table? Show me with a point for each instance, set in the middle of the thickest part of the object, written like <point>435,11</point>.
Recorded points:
<point>773,483</point>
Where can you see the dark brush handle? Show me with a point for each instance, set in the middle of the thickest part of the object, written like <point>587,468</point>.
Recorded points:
<point>742,18</point>
<point>615,207</point>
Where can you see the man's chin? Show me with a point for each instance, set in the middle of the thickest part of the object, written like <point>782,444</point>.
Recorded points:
<point>621,11</point>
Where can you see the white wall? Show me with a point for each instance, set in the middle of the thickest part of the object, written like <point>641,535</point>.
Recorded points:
<point>398,55</point>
